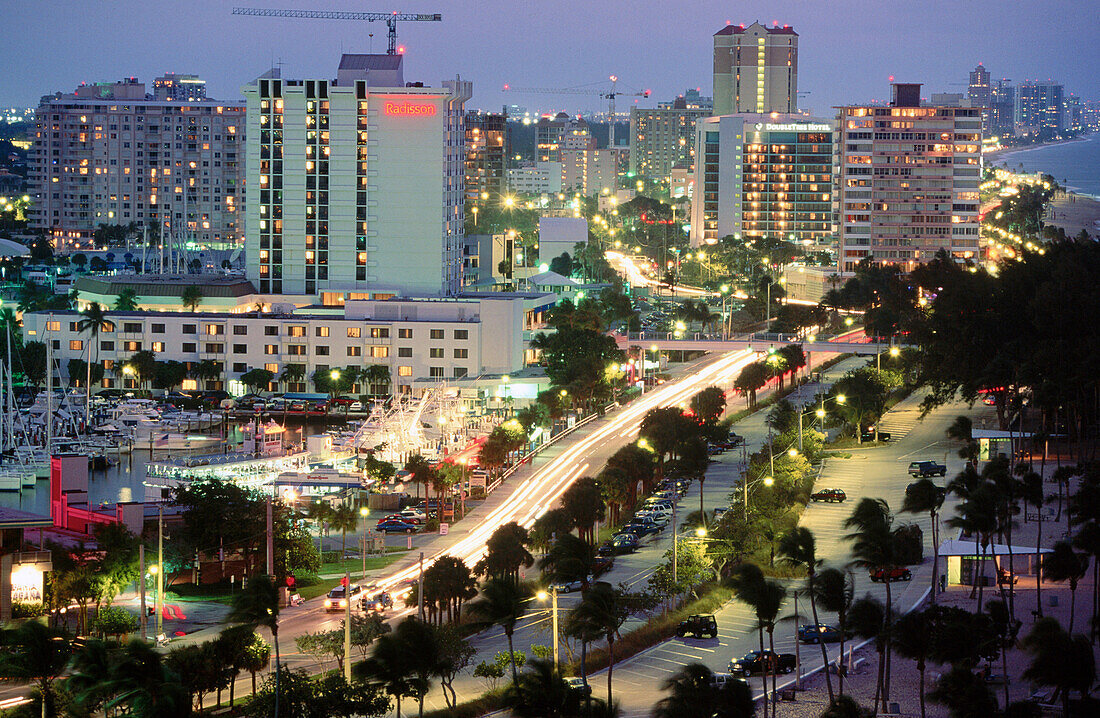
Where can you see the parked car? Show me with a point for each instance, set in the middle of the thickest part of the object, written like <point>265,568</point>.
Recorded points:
<point>700,626</point>
<point>602,565</point>
<point>923,469</point>
<point>413,516</point>
<point>337,599</point>
<point>624,543</point>
<point>874,435</point>
<point>821,633</point>
<point>829,495</point>
<point>719,680</point>
<point>736,439</point>
<point>394,526</point>
<point>892,574</point>
<point>567,586</point>
<point>577,684</point>
<point>640,528</point>
<point>378,602</point>
<point>755,662</point>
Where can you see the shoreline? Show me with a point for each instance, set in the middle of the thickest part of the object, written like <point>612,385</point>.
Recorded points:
<point>1074,211</point>
<point>1005,152</point>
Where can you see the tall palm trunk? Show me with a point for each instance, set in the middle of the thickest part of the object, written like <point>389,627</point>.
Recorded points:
<point>610,664</point>
<point>278,662</point>
<point>512,658</point>
<point>886,647</point>
<point>935,559</point>
<point>1072,604</point>
<point>775,673</point>
<point>824,651</point>
<point>1039,556</point>
<point>764,673</point>
<point>920,668</point>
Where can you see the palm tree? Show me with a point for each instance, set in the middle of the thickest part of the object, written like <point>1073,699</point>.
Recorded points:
<point>1087,539</point>
<point>376,375</point>
<point>1061,660</point>
<point>870,619</point>
<point>293,374</point>
<point>924,497</point>
<point>388,667</point>
<point>765,598</point>
<point>142,683</point>
<point>602,608</point>
<point>874,547</point>
<point>570,558</point>
<point>191,297</point>
<point>961,430</point>
<point>912,639</point>
<point>579,625</point>
<point>1035,495</point>
<point>36,654</point>
<point>344,518</point>
<point>92,323</point>
<point>258,605</point>
<point>206,370</point>
<point>543,693</point>
<point>797,547</point>
<point>256,657</point>
<point>1065,564</point>
<point>501,603</point>
<point>693,695</point>
<point>834,591</point>
<point>126,300</point>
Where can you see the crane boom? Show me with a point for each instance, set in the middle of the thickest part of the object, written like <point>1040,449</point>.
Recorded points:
<point>390,18</point>
<point>605,94</point>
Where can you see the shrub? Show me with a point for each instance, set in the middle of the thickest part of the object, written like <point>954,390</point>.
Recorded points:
<point>114,621</point>
<point>305,578</point>
<point>27,609</point>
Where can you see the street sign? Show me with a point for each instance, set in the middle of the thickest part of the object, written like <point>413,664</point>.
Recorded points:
<point>443,529</point>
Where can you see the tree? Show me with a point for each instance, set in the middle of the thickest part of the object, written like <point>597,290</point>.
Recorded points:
<point>569,559</point>
<point>302,695</point>
<point>797,547</point>
<point>964,693</point>
<point>869,619</point>
<point>191,297</point>
<point>502,602</point>
<point>505,553</point>
<point>293,374</point>
<point>977,515</point>
<point>924,496</point>
<point>542,692</point>
<point>765,598</point>
<point>169,374</point>
<point>793,358</point>
<point>584,505</point>
<point>257,379</point>
<point>693,695</point>
<point>961,430</point>
<point>1060,660</point>
<point>665,428</point>
<point>344,518</point>
<point>751,379</point>
<point>911,639</point>
<point>78,260</point>
<point>549,526</point>
<point>448,583</point>
<point>834,591</point>
<point>708,404</point>
<point>33,653</point>
<point>126,300</point>
<point>258,605</point>
<point>454,654</point>
<point>92,323</point>
<point>603,609</point>
<point>1065,564</point>
<point>865,391</point>
<point>562,264</point>
<point>636,466</point>
<point>134,681</point>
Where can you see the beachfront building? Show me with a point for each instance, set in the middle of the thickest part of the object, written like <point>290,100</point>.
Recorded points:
<point>755,69</point>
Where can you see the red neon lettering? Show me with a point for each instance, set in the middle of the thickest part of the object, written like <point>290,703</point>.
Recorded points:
<point>409,109</point>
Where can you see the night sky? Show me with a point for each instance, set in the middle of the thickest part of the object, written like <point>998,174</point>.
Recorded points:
<point>847,48</point>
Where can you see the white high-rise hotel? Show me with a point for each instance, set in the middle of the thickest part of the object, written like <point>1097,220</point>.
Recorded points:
<point>355,186</point>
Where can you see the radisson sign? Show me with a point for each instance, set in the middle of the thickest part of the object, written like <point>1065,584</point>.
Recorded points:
<point>409,109</point>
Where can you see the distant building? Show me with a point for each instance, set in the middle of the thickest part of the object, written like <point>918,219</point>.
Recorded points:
<point>763,176</point>
<point>1002,109</point>
<point>548,134</point>
<point>111,154</point>
<point>663,138</point>
<point>950,99</point>
<point>180,88</point>
<point>561,234</point>
<point>355,187</point>
<point>486,154</point>
<point>589,171</point>
<point>755,69</point>
<point>979,92</point>
<point>907,181</point>
<point>1040,108</point>
<point>535,178</point>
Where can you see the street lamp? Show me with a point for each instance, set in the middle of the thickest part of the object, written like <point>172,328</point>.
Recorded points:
<point>745,486</point>
<point>819,413</point>
<point>363,511</point>
<point>542,595</point>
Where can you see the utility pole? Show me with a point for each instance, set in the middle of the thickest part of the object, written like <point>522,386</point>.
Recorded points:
<point>675,543</point>
<point>141,590</point>
<point>347,626</point>
<point>270,541</point>
<point>554,598</point>
<point>420,590</point>
<point>800,429</point>
<point>160,570</point>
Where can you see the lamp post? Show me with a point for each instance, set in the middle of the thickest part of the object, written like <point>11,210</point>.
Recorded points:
<point>334,376</point>
<point>363,511</point>
<point>819,412</point>
<point>554,617</point>
<point>745,486</point>
<point>894,352</point>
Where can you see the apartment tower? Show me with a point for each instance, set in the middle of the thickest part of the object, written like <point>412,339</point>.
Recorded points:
<point>755,69</point>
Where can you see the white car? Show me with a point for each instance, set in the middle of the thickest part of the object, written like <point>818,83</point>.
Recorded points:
<point>660,520</point>
<point>568,586</point>
<point>413,515</point>
<point>337,598</point>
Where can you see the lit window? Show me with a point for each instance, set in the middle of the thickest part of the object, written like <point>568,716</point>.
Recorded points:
<point>404,371</point>
<point>76,345</point>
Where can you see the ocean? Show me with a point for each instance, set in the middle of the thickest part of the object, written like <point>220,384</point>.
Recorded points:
<point>1076,164</point>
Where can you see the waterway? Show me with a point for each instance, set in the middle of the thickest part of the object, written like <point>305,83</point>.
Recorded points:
<point>1075,164</point>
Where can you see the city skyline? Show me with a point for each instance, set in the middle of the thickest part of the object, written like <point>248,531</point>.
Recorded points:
<point>231,51</point>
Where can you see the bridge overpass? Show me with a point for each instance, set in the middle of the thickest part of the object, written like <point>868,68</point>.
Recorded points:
<point>853,342</point>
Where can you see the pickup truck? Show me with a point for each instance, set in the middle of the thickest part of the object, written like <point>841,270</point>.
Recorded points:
<point>924,469</point>
<point>756,662</point>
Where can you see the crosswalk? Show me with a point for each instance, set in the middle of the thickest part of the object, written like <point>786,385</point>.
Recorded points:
<point>900,420</point>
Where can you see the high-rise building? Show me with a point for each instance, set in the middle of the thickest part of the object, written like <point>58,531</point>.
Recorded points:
<point>906,181</point>
<point>486,153</point>
<point>1040,108</point>
<point>755,69</point>
<point>763,176</point>
<point>548,134</point>
<point>355,186</point>
<point>979,93</point>
<point>535,178</point>
<point>181,88</point>
<point>109,153</point>
<point>589,171</point>
<point>1002,109</point>
<point>663,138</point>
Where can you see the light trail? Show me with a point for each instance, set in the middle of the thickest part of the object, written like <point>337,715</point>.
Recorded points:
<point>637,277</point>
<point>536,494</point>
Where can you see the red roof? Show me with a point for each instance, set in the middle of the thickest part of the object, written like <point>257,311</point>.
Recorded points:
<point>740,29</point>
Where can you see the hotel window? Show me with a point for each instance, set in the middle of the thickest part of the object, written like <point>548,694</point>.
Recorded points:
<point>131,346</point>
<point>240,367</point>
<point>462,353</point>
<point>53,326</point>
<point>271,331</point>
<point>157,347</point>
<point>404,333</point>
<point>380,352</point>
<point>436,352</point>
<point>215,348</point>
<point>322,350</point>
<point>133,327</point>
<point>107,346</point>
<point>404,351</point>
<point>436,334</point>
<point>295,350</point>
<point>460,371</point>
<point>187,329</point>
<point>354,332</point>
<point>273,368</point>
<point>157,328</point>
<point>380,333</point>
<point>322,331</point>
<point>190,347</point>
<point>404,371</point>
<point>355,351</point>
<point>240,348</point>
<point>240,330</point>
<point>271,349</point>
<point>76,345</point>
<point>295,331</point>
<point>213,330</point>
<point>462,333</point>
<point>435,372</point>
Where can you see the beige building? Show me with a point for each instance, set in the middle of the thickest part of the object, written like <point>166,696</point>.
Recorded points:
<point>589,171</point>
<point>755,69</point>
<point>663,138</point>
<point>907,181</point>
<point>110,153</point>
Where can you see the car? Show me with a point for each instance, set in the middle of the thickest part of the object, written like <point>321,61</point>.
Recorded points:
<point>576,683</point>
<point>568,586</point>
<point>923,469</point>
<point>910,488</point>
<point>829,495</point>
<point>736,439</point>
<point>712,450</point>
<point>700,626</point>
<point>624,543</point>
<point>413,516</point>
<point>756,662</point>
<point>640,528</point>
<point>605,550</point>
<point>720,680</point>
<point>215,397</point>
<point>820,633</point>
<point>898,573</point>
<point>337,599</point>
<point>873,434</point>
<point>378,602</point>
<point>394,526</point>
<point>602,565</point>
<point>660,519</point>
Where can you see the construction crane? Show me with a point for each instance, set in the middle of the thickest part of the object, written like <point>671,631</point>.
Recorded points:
<point>609,95</point>
<point>390,18</point>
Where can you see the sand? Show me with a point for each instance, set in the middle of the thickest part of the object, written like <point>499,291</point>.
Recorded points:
<point>1074,212</point>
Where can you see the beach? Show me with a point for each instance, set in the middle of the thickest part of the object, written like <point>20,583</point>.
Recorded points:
<point>1073,212</point>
